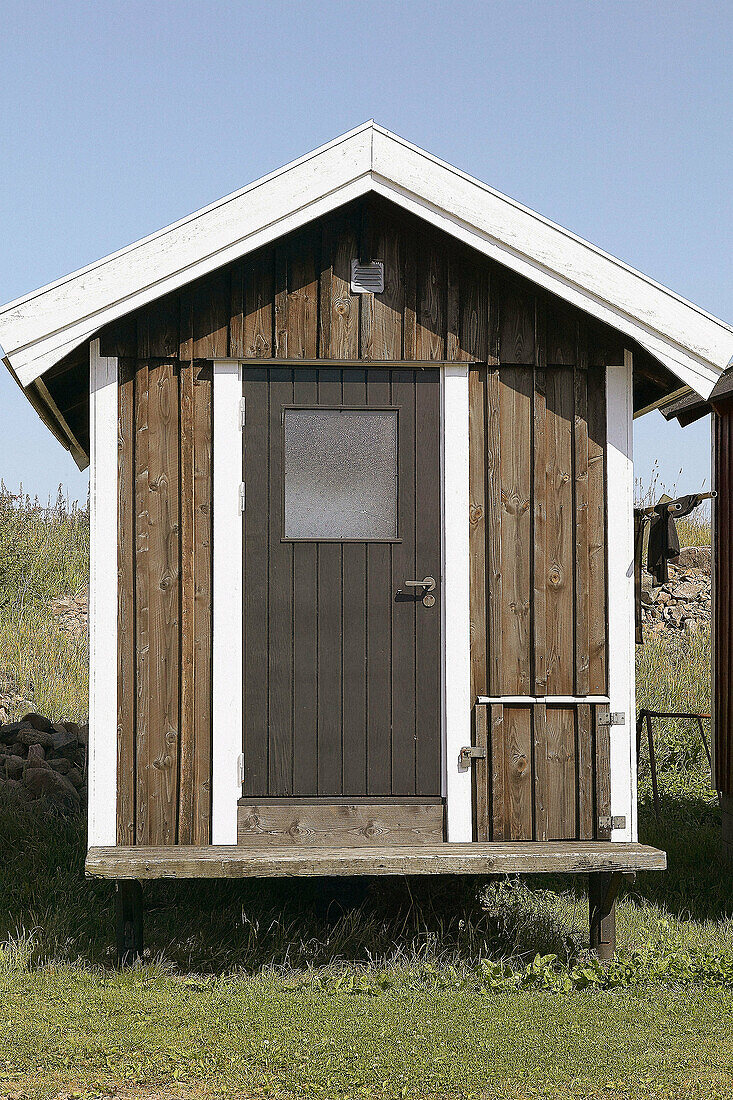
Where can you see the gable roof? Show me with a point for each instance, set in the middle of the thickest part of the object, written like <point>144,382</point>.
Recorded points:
<point>39,329</point>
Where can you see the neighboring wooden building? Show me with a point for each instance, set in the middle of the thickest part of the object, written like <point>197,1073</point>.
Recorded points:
<point>688,408</point>
<point>361,480</point>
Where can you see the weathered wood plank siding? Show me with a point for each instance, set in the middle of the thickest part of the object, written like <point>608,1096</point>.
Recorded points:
<point>722,430</point>
<point>540,395</point>
<point>539,607</point>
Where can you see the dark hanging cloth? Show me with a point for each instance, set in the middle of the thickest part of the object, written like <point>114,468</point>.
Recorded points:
<point>639,523</point>
<point>664,543</point>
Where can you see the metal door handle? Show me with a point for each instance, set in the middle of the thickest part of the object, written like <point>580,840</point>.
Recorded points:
<point>428,583</point>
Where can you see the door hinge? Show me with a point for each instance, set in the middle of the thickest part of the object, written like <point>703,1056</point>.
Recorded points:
<point>469,753</point>
<point>242,498</point>
<point>241,413</point>
<point>612,822</point>
<point>613,718</point>
<point>240,769</point>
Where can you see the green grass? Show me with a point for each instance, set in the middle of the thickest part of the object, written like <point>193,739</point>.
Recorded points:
<point>44,553</point>
<point>375,988</point>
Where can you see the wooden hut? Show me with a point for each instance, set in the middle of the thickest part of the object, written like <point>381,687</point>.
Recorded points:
<point>362,600</point>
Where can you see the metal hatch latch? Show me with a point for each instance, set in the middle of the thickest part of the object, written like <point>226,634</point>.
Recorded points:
<point>469,753</point>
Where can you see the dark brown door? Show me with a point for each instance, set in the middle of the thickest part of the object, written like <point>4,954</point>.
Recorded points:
<point>342,653</point>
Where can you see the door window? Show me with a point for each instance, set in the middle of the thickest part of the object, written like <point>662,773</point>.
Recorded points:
<point>340,474</point>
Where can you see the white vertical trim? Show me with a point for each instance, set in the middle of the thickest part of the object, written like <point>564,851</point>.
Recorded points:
<point>456,601</point>
<point>227,609</point>
<point>103,439</point>
<point>621,638</point>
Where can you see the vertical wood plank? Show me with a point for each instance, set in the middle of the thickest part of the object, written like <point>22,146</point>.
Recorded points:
<point>256,602</point>
<point>163,732</point>
<point>499,815</point>
<point>431,284</point>
<point>560,774</point>
<point>330,609</point>
<point>585,771</point>
<point>382,313</point>
<point>597,551</point>
<point>187,726</point>
<point>494,551</point>
<point>340,244</point>
<point>157,329</point>
<point>302,290</point>
<point>427,562</point>
<point>559,532</point>
<point>518,760</point>
<point>211,311</point>
<point>142,607</point>
<point>203,481</point>
<point>380,589</point>
<point>516,323</point>
<point>259,318</point>
<point>516,546</point>
<point>236,309</point>
<point>404,613</point>
<point>305,633</point>
<point>477,529</point>
<point>353,626</point>
<point>280,602</point>
<point>602,740</point>
<point>481,774</point>
<point>582,556</point>
<point>539,503</point>
<point>541,771</point>
<point>126,605</point>
<point>409,324</point>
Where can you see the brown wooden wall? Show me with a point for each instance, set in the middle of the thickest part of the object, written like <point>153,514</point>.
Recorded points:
<point>722,431</point>
<point>292,300</point>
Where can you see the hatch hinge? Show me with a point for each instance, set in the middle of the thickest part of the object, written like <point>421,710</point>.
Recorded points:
<point>241,413</point>
<point>605,823</point>
<point>240,769</point>
<point>242,498</point>
<point>613,718</point>
<point>469,753</point>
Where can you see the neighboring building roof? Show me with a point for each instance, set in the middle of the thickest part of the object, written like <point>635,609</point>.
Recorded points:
<point>39,329</point>
<point>690,406</point>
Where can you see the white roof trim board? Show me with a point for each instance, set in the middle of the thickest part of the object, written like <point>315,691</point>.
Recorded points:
<point>40,328</point>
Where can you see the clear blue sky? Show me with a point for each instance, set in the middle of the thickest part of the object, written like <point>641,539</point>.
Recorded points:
<point>117,118</point>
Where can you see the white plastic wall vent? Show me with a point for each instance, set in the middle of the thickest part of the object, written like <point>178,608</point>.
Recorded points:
<point>367,278</point>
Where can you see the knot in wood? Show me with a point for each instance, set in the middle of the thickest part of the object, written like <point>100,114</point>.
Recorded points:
<point>476,513</point>
<point>555,576</point>
<point>342,306</point>
<point>522,764</point>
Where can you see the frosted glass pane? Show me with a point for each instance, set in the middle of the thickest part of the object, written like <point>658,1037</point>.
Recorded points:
<point>340,473</point>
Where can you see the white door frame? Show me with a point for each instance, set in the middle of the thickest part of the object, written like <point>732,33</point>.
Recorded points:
<point>228,592</point>
<point>621,597</point>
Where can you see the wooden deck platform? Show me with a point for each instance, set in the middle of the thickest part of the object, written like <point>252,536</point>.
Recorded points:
<point>231,861</point>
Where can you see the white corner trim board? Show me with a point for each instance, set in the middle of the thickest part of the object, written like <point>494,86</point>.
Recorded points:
<point>456,601</point>
<point>227,663</point>
<point>103,435</point>
<point>620,525</point>
<point>40,328</point>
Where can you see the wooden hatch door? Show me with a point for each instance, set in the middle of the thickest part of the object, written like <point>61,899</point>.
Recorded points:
<point>342,580</point>
<point>546,772</point>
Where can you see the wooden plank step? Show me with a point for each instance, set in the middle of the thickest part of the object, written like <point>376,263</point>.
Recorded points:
<point>232,861</point>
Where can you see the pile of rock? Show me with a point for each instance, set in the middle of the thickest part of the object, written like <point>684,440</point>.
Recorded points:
<point>72,612</point>
<point>684,602</point>
<point>44,762</point>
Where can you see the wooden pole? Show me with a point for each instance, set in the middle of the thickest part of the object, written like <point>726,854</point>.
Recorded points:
<point>129,921</point>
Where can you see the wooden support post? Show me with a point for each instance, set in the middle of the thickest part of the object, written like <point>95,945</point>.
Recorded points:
<point>129,920</point>
<point>602,891</point>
